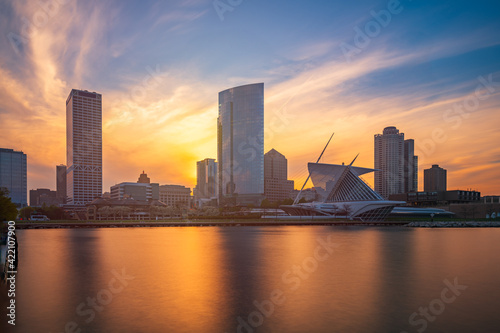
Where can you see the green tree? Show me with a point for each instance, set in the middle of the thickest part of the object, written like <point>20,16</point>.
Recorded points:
<point>53,212</point>
<point>265,203</point>
<point>26,212</point>
<point>288,201</point>
<point>8,210</point>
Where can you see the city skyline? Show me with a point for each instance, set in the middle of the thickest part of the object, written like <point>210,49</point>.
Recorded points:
<point>160,106</point>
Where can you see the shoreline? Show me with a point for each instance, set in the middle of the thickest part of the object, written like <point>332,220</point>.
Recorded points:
<point>252,223</point>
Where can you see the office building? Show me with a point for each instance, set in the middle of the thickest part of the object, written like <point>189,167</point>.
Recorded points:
<point>61,182</point>
<point>13,175</point>
<point>143,190</point>
<point>84,147</point>
<point>240,145</point>
<point>277,187</point>
<point>434,179</point>
<point>44,196</point>
<point>206,181</point>
<point>389,149</point>
<point>175,196</point>
<point>410,167</point>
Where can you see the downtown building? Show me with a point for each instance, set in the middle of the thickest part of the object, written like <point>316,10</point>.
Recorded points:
<point>178,196</point>
<point>240,145</point>
<point>13,176</point>
<point>277,187</point>
<point>435,179</point>
<point>61,183</point>
<point>43,196</point>
<point>395,163</point>
<point>206,182</point>
<point>143,190</point>
<point>84,147</point>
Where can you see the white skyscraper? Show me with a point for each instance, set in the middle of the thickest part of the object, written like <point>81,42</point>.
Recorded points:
<point>84,147</point>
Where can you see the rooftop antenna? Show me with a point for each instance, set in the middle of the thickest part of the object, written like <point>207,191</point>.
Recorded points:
<point>309,176</point>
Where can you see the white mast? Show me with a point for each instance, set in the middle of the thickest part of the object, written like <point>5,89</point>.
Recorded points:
<point>298,195</point>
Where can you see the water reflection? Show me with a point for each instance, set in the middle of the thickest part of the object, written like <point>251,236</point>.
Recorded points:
<point>225,279</point>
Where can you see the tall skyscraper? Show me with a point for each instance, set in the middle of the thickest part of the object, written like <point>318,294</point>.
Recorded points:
<point>277,187</point>
<point>240,143</point>
<point>206,179</point>
<point>410,167</point>
<point>13,175</point>
<point>389,150</point>
<point>84,147</point>
<point>61,182</point>
<point>435,179</point>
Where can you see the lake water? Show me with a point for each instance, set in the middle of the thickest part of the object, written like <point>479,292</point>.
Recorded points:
<point>258,279</point>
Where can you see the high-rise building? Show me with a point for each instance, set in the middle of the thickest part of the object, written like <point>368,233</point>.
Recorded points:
<point>389,150</point>
<point>277,187</point>
<point>84,147</point>
<point>410,167</point>
<point>434,179</point>
<point>13,175</point>
<point>61,182</point>
<point>240,143</point>
<point>206,180</point>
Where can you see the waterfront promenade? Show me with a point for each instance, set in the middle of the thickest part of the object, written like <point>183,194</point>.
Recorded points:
<point>250,222</point>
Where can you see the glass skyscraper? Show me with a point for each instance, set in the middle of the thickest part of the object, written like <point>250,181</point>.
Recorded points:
<point>13,175</point>
<point>84,147</point>
<point>240,145</point>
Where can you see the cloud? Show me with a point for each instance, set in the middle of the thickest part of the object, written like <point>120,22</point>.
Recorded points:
<point>164,123</point>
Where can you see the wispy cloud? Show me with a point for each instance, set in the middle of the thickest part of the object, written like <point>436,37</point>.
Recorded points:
<point>310,90</point>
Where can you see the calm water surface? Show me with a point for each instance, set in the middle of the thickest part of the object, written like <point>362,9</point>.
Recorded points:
<point>258,279</point>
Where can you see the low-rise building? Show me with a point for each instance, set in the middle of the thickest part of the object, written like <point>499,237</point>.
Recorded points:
<point>433,198</point>
<point>143,190</point>
<point>175,196</point>
<point>128,209</point>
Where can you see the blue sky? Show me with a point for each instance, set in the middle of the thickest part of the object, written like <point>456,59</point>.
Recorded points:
<point>427,58</point>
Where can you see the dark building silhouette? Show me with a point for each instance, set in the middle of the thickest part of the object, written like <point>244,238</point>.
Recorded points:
<point>61,182</point>
<point>42,196</point>
<point>435,179</point>
<point>410,167</point>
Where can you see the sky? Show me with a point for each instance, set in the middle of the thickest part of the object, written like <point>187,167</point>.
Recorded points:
<point>430,68</point>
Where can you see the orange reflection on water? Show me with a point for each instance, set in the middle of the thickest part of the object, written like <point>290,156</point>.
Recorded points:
<point>185,277</point>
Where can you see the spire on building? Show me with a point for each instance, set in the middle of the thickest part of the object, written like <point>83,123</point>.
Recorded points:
<point>143,178</point>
